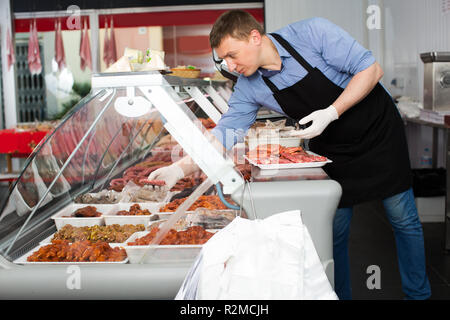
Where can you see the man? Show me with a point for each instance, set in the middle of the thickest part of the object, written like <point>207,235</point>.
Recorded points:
<point>316,73</point>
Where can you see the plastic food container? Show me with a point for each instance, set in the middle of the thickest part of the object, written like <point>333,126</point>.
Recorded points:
<point>112,218</point>
<point>48,240</point>
<point>61,220</point>
<point>23,259</point>
<point>160,254</point>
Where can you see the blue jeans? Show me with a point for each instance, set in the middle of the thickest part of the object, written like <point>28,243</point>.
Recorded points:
<point>402,213</point>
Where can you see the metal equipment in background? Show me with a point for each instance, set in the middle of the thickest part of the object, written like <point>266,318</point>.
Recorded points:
<point>436,72</point>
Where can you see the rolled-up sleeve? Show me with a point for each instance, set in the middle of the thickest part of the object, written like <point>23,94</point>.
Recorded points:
<point>340,50</point>
<point>234,124</point>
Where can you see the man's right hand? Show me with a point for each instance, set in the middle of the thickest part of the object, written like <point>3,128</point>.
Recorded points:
<point>170,174</point>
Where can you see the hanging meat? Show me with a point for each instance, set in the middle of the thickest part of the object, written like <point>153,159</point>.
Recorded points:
<point>60,57</point>
<point>10,49</point>
<point>106,45</point>
<point>34,54</point>
<point>85,49</point>
<point>112,55</point>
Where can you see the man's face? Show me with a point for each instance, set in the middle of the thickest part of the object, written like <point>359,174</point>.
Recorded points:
<point>240,55</point>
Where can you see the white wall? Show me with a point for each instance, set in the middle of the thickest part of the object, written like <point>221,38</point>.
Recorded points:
<point>348,14</point>
<point>413,27</point>
<point>408,28</point>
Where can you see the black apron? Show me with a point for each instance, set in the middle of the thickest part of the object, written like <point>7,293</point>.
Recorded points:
<point>367,144</point>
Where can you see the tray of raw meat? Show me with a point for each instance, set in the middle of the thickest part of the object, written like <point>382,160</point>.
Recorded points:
<point>274,156</point>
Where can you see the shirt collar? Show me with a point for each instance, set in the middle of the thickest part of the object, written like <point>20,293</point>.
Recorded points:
<point>281,50</point>
<point>283,54</point>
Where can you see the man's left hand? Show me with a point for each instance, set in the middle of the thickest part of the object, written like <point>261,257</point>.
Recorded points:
<point>320,120</point>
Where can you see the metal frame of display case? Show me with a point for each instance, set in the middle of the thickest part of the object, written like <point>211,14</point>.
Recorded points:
<point>160,91</point>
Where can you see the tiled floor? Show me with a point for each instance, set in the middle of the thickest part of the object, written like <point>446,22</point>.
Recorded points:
<point>372,243</point>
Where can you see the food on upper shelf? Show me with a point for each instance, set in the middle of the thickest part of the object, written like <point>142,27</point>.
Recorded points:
<point>112,233</point>
<point>79,251</point>
<point>135,210</point>
<point>102,197</point>
<point>192,235</point>
<point>134,55</point>
<point>208,202</point>
<point>158,183</point>
<point>185,71</point>
<point>277,154</point>
<point>86,212</point>
<point>134,174</point>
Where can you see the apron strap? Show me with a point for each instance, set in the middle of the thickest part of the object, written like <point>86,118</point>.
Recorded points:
<point>270,84</point>
<point>292,51</point>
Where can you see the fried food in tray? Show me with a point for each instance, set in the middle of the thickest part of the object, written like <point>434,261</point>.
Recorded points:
<point>208,202</point>
<point>85,212</point>
<point>79,251</point>
<point>112,233</point>
<point>192,235</point>
<point>135,210</point>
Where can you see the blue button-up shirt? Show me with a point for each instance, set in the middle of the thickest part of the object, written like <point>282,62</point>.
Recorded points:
<point>321,43</point>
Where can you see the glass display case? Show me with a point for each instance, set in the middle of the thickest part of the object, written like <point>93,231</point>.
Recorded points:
<point>101,154</point>
<point>94,145</point>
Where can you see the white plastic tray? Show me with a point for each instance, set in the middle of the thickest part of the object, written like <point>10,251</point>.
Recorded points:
<point>161,253</point>
<point>48,240</point>
<point>113,218</point>
<point>23,259</point>
<point>61,221</point>
<point>290,165</point>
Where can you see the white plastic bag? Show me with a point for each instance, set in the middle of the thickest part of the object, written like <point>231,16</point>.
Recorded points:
<point>272,259</point>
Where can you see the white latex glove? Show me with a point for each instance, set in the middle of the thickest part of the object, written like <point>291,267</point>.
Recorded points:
<point>320,120</point>
<point>170,174</point>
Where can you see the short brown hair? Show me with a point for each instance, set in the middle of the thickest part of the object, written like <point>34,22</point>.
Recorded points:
<point>235,23</point>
